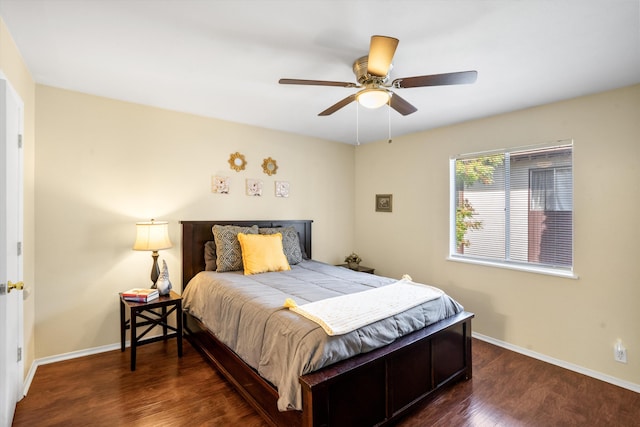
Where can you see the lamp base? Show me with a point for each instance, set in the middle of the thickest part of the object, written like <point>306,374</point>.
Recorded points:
<point>155,269</point>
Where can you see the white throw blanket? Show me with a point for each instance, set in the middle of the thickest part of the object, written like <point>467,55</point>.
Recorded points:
<point>347,313</point>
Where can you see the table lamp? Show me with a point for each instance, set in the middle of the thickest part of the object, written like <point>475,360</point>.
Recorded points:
<point>152,236</point>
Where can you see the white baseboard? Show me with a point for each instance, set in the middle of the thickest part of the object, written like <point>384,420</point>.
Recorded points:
<point>561,363</point>
<point>66,356</point>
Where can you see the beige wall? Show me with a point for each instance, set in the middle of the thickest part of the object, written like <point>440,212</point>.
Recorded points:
<point>105,164</point>
<point>576,321</point>
<point>14,69</point>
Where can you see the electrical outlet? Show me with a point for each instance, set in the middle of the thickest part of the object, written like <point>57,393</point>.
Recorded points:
<point>619,352</point>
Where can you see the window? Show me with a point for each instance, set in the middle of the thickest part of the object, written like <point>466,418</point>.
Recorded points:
<point>514,208</point>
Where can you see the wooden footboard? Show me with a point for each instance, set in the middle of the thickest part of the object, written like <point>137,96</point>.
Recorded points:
<point>378,387</point>
<point>374,388</point>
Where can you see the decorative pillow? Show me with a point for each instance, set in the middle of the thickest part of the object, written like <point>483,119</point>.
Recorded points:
<point>290,242</point>
<point>228,251</point>
<point>304,252</point>
<point>210,256</point>
<point>262,253</point>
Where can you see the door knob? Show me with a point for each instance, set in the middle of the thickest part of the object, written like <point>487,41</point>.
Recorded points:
<point>19,286</point>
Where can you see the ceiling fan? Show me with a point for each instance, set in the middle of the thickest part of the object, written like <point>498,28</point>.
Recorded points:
<point>372,75</point>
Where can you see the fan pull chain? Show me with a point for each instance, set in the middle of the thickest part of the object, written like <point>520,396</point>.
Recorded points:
<point>389,111</point>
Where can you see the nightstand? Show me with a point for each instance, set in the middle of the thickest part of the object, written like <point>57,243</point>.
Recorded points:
<point>149,315</point>
<point>361,268</point>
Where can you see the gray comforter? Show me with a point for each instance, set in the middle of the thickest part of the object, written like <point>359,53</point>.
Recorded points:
<point>247,314</point>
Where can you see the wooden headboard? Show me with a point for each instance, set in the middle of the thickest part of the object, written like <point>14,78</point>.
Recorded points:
<point>196,233</point>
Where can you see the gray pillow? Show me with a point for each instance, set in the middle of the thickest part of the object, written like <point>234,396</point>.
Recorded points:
<point>290,242</point>
<point>210,256</point>
<point>228,250</point>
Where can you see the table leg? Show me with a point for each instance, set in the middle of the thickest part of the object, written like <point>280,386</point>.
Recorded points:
<point>164,322</point>
<point>122,326</point>
<point>134,338</point>
<point>179,324</point>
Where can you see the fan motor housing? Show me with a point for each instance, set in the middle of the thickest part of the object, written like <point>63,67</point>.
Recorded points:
<point>363,77</point>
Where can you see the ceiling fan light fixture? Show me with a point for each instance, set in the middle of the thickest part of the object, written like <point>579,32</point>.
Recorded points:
<point>373,98</point>
<point>372,74</point>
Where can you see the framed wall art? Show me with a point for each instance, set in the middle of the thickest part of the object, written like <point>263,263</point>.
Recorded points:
<point>384,202</point>
<point>254,187</point>
<point>220,184</point>
<point>282,188</point>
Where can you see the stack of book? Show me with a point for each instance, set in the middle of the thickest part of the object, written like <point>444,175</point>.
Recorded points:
<point>140,295</point>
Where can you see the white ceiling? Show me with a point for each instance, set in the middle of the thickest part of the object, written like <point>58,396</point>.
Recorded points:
<point>223,59</point>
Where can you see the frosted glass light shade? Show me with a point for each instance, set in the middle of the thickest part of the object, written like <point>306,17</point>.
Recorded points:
<point>373,98</point>
<point>152,236</point>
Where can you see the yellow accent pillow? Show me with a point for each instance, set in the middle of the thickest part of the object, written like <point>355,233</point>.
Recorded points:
<point>262,253</point>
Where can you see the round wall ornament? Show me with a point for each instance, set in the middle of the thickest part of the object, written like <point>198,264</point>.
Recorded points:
<point>269,166</point>
<point>237,161</point>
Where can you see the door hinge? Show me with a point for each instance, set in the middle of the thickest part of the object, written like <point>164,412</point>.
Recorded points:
<point>19,354</point>
<point>19,248</point>
<point>19,140</point>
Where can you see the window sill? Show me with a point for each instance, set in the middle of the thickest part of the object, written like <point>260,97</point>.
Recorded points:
<point>519,267</point>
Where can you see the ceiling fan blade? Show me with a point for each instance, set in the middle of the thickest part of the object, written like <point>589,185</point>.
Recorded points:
<point>459,78</point>
<point>401,105</point>
<point>381,51</point>
<point>338,105</point>
<point>315,83</point>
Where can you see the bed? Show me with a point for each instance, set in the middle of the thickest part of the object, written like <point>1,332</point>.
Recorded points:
<point>372,388</point>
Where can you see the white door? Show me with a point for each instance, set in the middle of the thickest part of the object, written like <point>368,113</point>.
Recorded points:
<point>11,329</point>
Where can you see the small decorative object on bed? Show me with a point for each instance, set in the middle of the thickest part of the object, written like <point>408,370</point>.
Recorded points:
<point>290,242</point>
<point>384,202</point>
<point>282,188</point>
<point>269,166</point>
<point>353,261</point>
<point>228,249</point>
<point>262,253</point>
<point>254,187</point>
<point>237,162</point>
<point>164,284</point>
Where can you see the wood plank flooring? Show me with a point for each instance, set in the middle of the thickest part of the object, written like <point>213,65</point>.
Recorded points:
<point>507,389</point>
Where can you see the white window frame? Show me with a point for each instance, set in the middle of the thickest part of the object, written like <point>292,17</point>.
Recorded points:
<point>567,272</point>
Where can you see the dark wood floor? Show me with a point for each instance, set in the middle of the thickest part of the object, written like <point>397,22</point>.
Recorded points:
<point>508,389</point>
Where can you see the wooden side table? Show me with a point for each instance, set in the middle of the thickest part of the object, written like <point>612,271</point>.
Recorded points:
<point>146,314</point>
<point>361,268</point>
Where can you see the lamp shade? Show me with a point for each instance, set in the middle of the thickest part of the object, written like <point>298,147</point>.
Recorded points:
<point>373,98</point>
<point>152,236</point>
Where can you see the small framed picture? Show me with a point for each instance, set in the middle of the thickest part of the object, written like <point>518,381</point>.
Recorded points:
<point>282,188</point>
<point>220,184</point>
<point>254,187</point>
<point>384,202</point>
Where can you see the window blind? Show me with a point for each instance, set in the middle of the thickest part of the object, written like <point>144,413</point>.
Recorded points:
<point>514,206</point>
